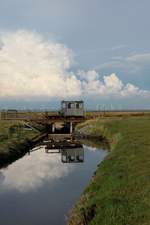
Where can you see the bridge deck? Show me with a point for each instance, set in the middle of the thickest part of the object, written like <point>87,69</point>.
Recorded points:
<point>58,118</point>
<point>59,136</point>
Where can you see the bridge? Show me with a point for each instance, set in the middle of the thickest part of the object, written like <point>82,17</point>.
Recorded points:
<point>60,125</point>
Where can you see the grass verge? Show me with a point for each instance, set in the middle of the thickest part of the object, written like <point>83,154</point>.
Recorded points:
<point>119,193</point>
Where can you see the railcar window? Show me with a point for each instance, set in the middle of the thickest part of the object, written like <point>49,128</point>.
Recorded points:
<point>69,105</point>
<point>77,105</point>
<point>72,105</point>
<point>80,105</point>
<point>64,105</point>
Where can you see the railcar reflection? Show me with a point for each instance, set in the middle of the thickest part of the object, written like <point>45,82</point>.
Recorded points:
<point>74,155</point>
<point>71,151</point>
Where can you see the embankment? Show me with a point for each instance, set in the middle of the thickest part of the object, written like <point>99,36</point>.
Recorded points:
<point>16,141</point>
<point>119,193</point>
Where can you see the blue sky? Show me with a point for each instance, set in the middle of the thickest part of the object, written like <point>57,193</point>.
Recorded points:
<point>104,36</point>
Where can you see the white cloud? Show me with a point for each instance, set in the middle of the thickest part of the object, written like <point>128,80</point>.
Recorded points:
<point>31,66</point>
<point>109,86</point>
<point>143,59</point>
<point>112,82</point>
<point>118,47</point>
<point>132,63</point>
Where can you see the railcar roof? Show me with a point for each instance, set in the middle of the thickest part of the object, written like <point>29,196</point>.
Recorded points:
<point>72,101</point>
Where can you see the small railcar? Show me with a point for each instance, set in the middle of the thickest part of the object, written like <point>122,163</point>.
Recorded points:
<point>72,109</point>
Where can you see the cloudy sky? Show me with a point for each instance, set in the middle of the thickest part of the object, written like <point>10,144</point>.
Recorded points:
<point>95,50</point>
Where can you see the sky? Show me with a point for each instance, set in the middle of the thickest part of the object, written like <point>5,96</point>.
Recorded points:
<point>95,50</point>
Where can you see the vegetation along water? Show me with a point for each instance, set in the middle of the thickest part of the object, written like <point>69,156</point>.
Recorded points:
<point>16,139</point>
<point>119,193</point>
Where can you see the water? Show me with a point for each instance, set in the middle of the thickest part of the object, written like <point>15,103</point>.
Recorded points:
<point>39,189</point>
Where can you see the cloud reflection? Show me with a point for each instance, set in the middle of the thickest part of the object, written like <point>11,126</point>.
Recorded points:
<point>32,171</point>
<point>90,148</point>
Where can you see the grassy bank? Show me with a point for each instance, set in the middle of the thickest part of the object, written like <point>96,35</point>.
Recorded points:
<point>119,193</point>
<point>14,140</point>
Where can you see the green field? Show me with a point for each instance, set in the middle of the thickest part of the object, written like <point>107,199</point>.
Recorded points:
<point>119,193</point>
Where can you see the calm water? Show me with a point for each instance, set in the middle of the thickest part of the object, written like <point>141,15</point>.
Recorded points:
<point>39,189</point>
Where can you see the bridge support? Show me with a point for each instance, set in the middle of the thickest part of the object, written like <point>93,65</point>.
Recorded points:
<point>71,127</point>
<point>53,127</point>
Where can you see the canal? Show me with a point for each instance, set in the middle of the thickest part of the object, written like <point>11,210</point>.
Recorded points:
<point>39,189</point>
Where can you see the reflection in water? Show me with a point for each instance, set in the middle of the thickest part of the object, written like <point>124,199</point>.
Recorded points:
<point>95,143</point>
<point>74,155</point>
<point>90,148</point>
<point>72,151</point>
<point>40,189</point>
<point>32,171</point>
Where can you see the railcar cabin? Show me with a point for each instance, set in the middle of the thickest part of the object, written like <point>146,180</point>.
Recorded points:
<point>72,109</point>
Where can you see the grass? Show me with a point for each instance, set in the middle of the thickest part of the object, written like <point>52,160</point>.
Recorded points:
<point>104,114</point>
<point>13,131</point>
<point>14,140</point>
<point>119,193</point>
